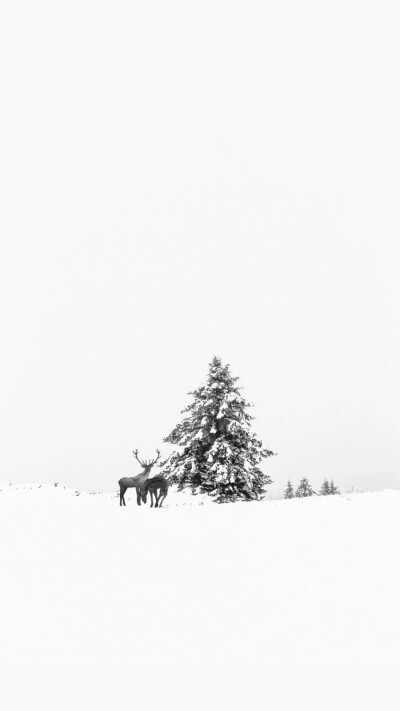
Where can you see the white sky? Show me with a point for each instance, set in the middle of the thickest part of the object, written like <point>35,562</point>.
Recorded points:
<point>179,180</point>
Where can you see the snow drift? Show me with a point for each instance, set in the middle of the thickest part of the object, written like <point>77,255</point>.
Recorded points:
<point>302,581</point>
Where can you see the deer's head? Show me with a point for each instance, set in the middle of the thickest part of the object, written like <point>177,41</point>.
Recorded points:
<point>147,466</point>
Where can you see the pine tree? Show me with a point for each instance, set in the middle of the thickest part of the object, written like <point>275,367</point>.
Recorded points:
<point>328,489</point>
<point>289,491</point>
<point>333,489</point>
<point>304,489</point>
<point>218,454</point>
<point>325,489</point>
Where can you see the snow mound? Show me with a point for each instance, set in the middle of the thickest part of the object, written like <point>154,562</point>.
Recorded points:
<point>302,581</point>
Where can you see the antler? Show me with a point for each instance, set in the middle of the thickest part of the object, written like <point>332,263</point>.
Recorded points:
<point>135,454</point>
<point>152,463</point>
<point>149,463</point>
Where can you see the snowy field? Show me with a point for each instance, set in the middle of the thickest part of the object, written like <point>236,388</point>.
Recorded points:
<point>304,581</point>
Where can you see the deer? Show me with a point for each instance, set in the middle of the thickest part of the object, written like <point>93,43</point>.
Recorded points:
<point>128,482</point>
<point>155,484</point>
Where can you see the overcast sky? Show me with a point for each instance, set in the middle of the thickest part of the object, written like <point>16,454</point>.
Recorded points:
<point>179,180</point>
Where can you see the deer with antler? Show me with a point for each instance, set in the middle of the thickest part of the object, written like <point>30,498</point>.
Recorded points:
<point>129,482</point>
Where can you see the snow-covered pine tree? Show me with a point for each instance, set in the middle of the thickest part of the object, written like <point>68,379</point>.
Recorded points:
<point>325,489</point>
<point>333,489</point>
<point>289,491</point>
<point>304,489</point>
<point>218,453</point>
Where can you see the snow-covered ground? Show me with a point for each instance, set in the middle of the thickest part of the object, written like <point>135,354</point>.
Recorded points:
<point>283,582</point>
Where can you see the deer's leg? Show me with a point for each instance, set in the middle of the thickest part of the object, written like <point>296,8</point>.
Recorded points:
<point>162,500</point>
<point>138,496</point>
<point>122,496</point>
<point>151,499</point>
<point>157,497</point>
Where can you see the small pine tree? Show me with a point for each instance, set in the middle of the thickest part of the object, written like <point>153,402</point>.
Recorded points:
<point>325,489</point>
<point>304,489</point>
<point>218,454</point>
<point>289,491</point>
<point>333,489</point>
<point>328,489</point>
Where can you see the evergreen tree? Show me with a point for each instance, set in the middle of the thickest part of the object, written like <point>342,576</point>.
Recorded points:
<point>304,489</point>
<point>325,489</point>
<point>333,489</point>
<point>218,453</point>
<point>289,491</point>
